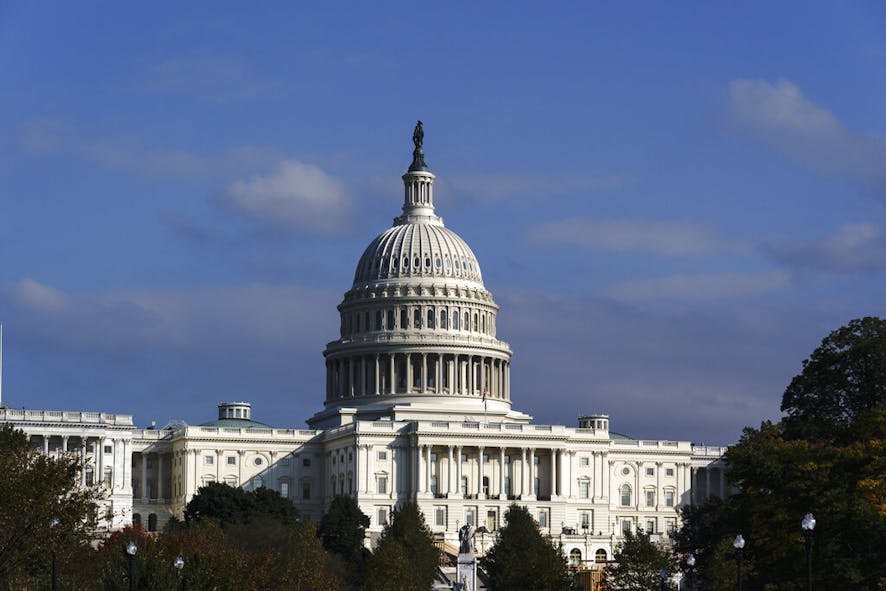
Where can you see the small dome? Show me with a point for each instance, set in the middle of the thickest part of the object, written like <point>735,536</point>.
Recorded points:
<point>418,250</point>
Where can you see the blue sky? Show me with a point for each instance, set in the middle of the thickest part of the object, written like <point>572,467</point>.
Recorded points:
<point>672,203</point>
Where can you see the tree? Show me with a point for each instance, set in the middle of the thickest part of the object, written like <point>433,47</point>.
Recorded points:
<point>343,532</point>
<point>639,562</point>
<point>405,555</point>
<point>229,505</point>
<point>523,559</point>
<point>43,509</point>
<point>842,381</point>
<point>827,457</point>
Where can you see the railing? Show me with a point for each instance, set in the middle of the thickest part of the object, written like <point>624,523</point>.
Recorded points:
<point>57,416</point>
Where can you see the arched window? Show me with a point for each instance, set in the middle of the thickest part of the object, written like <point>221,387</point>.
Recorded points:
<point>467,324</point>
<point>416,317</point>
<point>483,323</point>
<point>390,320</point>
<point>136,519</point>
<point>152,522</point>
<point>600,555</point>
<point>485,485</point>
<point>574,557</point>
<point>377,320</point>
<point>625,495</point>
<point>475,322</point>
<point>443,317</point>
<point>455,320</point>
<point>430,319</point>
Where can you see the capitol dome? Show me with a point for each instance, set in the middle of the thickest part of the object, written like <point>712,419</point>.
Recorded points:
<point>418,327</point>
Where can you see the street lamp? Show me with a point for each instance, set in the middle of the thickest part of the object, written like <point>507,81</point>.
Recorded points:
<point>131,549</point>
<point>738,544</point>
<point>690,567</point>
<point>179,564</point>
<point>53,523</point>
<point>808,525</point>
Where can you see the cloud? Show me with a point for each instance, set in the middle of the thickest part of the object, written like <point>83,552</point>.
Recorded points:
<point>179,163</point>
<point>497,186</point>
<point>670,238</point>
<point>710,286</point>
<point>209,77</point>
<point>852,248</point>
<point>782,117</point>
<point>294,194</point>
<point>43,136</point>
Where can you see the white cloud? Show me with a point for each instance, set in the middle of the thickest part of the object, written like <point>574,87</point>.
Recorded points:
<point>852,248</point>
<point>706,286</point>
<point>671,238</point>
<point>209,77</point>
<point>496,186</point>
<point>782,117</point>
<point>293,194</point>
<point>36,296</point>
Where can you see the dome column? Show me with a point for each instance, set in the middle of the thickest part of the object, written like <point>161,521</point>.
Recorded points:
<point>377,367</point>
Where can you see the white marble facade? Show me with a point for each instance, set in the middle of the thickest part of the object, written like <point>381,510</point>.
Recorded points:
<point>417,407</point>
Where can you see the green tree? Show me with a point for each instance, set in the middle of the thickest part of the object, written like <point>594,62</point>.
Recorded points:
<point>405,558</point>
<point>43,509</point>
<point>826,457</point>
<point>343,532</point>
<point>638,564</point>
<point>229,504</point>
<point>524,559</point>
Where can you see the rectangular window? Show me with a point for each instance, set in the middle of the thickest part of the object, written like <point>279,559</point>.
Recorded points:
<point>306,491</point>
<point>650,471</point>
<point>232,460</point>
<point>669,471</point>
<point>669,498</point>
<point>434,486</point>
<point>585,520</point>
<point>284,490</point>
<point>650,498</point>
<point>464,485</point>
<point>585,461</point>
<point>543,518</point>
<point>507,459</point>
<point>208,460</point>
<point>382,485</point>
<point>650,526</point>
<point>625,526</point>
<point>485,458</point>
<point>433,457</point>
<point>670,525</point>
<point>440,516</point>
<point>508,486</point>
<point>382,516</point>
<point>536,460</point>
<point>584,489</point>
<point>470,516</point>
<point>109,449</point>
<point>306,462</point>
<point>536,486</point>
<point>382,455</point>
<point>464,457</point>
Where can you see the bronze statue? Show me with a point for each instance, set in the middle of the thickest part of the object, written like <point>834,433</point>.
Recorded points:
<point>418,136</point>
<point>418,155</point>
<point>466,539</point>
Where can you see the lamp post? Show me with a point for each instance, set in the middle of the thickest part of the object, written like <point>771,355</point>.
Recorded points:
<point>808,525</point>
<point>690,567</point>
<point>131,550</point>
<point>738,544</point>
<point>179,564</point>
<point>53,523</point>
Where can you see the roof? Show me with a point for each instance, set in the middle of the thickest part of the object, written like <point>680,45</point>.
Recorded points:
<point>236,424</point>
<point>614,435</point>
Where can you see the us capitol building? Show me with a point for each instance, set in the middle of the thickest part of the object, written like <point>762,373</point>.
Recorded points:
<point>417,407</point>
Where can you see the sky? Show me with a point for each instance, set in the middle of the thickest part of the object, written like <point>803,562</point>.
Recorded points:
<point>672,203</point>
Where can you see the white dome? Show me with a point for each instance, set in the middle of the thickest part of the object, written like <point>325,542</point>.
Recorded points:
<point>417,250</point>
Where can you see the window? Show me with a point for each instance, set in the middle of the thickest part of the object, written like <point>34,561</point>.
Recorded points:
<point>434,487</point>
<point>669,471</point>
<point>536,486</point>
<point>485,485</point>
<point>625,495</point>
<point>464,457</point>
<point>669,498</point>
<point>382,484</point>
<point>306,463</point>
<point>284,490</point>
<point>625,470</point>
<point>584,461</point>
<point>443,317</point>
<point>109,449</point>
<point>543,518</point>
<point>440,516</point>
<point>650,471</point>
<point>625,526</point>
<point>455,321</point>
<point>670,526</point>
<point>431,317</point>
<point>470,516</point>
<point>232,460</point>
<point>507,459</point>
<point>257,461</point>
<point>485,458</point>
<point>584,489</point>
<point>208,460</point>
<point>574,557</point>
<point>433,457</point>
<point>650,498</point>
<point>536,460</point>
<point>585,520</point>
<point>508,486</point>
<point>382,516</point>
<point>491,520</point>
<point>306,491</point>
<point>464,485</point>
<point>382,455</point>
<point>108,477</point>
<point>650,526</point>
<point>600,555</point>
<point>416,319</point>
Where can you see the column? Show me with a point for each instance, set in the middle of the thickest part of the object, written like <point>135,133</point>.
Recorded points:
<point>480,467</point>
<point>240,454</point>
<point>359,469</point>
<point>523,473</point>
<point>483,388</point>
<point>392,382</point>
<point>99,457</point>
<point>408,373</point>
<point>502,494</point>
<point>531,488</point>
<point>428,469</point>
<point>459,472</point>
<point>439,377</point>
<point>377,377</point>
<point>351,377</point>
<point>64,444</point>
<point>363,375</point>
<point>449,475</point>
<point>195,454</point>
<point>693,475</point>
<point>553,473</point>
<point>606,470</point>
<point>424,373</point>
<point>419,469</point>
<point>595,482</point>
<point>82,460</point>
<point>159,478</point>
<point>395,490</point>
<point>127,464</point>
<point>144,489</point>
<point>45,445</point>
<point>570,479</point>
